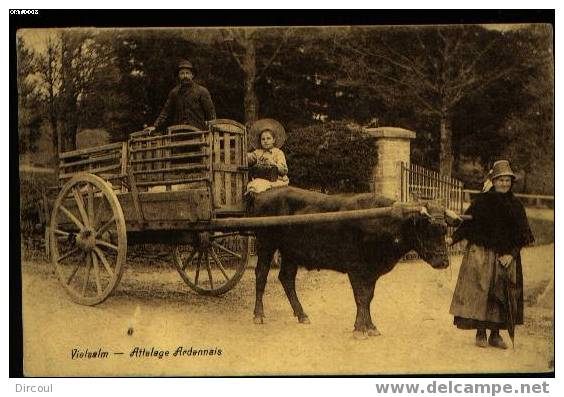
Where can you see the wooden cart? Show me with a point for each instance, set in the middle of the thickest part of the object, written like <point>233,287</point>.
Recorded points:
<point>183,188</point>
<point>152,189</point>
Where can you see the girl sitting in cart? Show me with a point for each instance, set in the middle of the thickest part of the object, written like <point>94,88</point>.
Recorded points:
<point>267,162</point>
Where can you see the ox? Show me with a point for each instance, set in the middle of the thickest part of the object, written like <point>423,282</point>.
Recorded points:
<point>364,250</point>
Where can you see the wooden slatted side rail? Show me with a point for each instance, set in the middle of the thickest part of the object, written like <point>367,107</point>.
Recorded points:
<point>176,160</point>
<point>229,162</point>
<point>107,161</point>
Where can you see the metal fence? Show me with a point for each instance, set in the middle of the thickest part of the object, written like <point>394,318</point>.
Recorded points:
<point>418,182</point>
<point>528,200</point>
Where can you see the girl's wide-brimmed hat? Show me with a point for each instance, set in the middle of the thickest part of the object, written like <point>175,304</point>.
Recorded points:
<point>259,126</point>
<point>501,168</point>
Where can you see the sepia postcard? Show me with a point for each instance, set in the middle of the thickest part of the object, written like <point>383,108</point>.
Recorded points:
<point>286,200</point>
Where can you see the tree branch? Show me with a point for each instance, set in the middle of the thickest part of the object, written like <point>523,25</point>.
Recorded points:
<point>283,41</point>
<point>425,51</point>
<point>414,88</point>
<point>231,50</point>
<point>405,67</point>
<point>412,66</point>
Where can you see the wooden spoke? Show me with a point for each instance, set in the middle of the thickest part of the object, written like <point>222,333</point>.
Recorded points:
<point>189,259</point>
<point>106,244</point>
<point>65,256</point>
<point>80,204</point>
<point>198,269</point>
<point>106,226</point>
<point>96,274</point>
<point>69,279</point>
<point>91,204</point>
<point>223,235</point>
<point>221,247</point>
<point>102,257</point>
<point>101,204</point>
<point>219,264</point>
<point>71,216</point>
<point>61,232</point>
<point>208,268</point>
<point>87,276</point>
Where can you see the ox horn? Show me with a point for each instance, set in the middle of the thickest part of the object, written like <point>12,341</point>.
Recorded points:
<point>452,217</point>
<point>425,212</point>
<point>402,210</point>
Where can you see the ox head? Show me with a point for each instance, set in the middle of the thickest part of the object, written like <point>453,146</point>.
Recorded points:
<point>427,232</point>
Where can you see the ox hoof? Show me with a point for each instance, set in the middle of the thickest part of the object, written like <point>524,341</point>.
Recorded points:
<point>373,332</point>
<point>360,335</point>
<point>258,320</point>
<point>304,320</point>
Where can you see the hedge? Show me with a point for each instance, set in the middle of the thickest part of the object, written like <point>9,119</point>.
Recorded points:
<point>334,157</point>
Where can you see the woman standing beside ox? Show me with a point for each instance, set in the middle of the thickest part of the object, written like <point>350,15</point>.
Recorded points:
<point>492,261</point>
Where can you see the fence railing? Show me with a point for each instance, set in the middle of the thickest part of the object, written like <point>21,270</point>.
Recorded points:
<point>418,182</point>
<point>533,200</point>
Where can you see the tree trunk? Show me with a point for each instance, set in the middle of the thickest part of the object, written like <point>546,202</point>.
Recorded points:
<point>68,132</point>
<point>446,146</point>
<point>55,141</point>
<point>250,69</point>
<point>68,109</point>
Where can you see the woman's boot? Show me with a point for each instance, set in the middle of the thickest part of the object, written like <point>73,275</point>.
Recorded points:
<point>481,340</point>
<point>496,340</point>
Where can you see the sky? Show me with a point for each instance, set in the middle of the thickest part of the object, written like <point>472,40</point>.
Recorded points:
<point>36,39</point>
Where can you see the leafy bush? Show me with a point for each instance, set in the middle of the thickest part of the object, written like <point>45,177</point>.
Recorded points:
<point>334,157</point>
<point>32,186</point>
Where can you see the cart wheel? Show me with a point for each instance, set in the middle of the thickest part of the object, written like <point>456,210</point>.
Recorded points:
<point>87,239</point>
<point>214,264</point>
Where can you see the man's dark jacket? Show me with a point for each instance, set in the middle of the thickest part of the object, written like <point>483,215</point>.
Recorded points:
<point>186,104</point>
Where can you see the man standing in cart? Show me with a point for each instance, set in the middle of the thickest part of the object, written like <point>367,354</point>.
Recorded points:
<point>187,103</point>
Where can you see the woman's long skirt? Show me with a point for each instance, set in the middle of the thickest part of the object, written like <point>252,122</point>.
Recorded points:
<point>476,303</point>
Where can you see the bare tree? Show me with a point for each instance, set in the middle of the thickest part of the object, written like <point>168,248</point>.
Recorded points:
<point>242,44</point>
<point>435,67</point>
<point>82,64</point>
<point>49,88</point>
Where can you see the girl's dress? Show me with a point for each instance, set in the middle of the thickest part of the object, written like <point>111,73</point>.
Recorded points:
<point>265,158</point>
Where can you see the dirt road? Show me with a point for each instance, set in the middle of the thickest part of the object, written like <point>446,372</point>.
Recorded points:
<point>410,309</point>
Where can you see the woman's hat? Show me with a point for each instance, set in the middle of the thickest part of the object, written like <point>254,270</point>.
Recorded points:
<point>501,168</point>
<point>262,125</point>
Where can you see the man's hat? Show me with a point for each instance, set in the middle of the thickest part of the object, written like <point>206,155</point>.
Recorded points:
<point>185,64</point>
<point>501,168</point>
<point>262,125</point>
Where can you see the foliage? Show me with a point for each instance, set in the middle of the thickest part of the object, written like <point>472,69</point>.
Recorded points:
<point>330,157</point>
<point>32,187</point>
<point>529,134</point>
<point>29,119</point>
<point>482,85</point>
<point>433,70</point>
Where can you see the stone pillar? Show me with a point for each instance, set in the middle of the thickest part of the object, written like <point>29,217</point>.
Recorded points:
<point>392,145</point>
